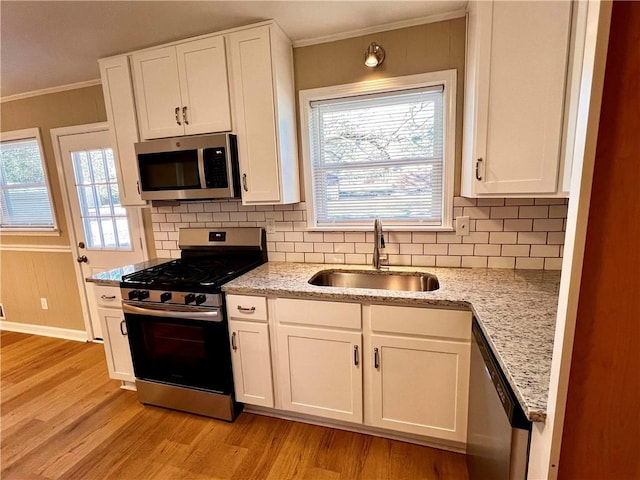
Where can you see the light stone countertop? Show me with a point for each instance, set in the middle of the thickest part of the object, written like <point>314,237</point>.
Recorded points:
<point>113,277</point>
<point>516,309</point>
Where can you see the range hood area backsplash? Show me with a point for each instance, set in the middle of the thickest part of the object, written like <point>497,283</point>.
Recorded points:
<point>521,233</point>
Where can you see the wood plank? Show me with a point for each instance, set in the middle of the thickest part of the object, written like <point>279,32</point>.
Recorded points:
<point>74,422</point>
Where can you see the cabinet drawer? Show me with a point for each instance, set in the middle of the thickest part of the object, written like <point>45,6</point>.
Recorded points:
<point>246,307</point>
<point>312,312</point>
<point>430,322</point>
<point>107,296</point>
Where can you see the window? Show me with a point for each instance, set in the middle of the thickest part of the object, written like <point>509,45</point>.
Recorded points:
<point>24,188</point>
<point>383,148</point>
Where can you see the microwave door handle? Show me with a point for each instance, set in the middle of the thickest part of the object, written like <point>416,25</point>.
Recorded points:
<point>203,180</point>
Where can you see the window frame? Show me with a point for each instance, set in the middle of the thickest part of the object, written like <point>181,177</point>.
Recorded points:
<point>28,134</point>
<point>446,78</point>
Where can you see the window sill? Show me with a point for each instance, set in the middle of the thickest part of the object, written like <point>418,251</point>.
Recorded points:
<point>30,233</point>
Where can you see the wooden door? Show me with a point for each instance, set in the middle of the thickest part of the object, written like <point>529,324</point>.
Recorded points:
<point>157,89</point>
<point>320,372</point>
<point>418,385</point>
<point>204,87</point>
<point>107,234</point>
<point>251,361</point>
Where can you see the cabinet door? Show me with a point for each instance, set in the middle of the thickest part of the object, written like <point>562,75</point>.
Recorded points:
<point>252,80</point>
<point>418,386</point>
<point>251,361</point>
<point>121,115</point>
<point>517,60</point>
<point>157,89</point>
<point>116,344</point>
<point>320,372</point>
<point>202,66</point>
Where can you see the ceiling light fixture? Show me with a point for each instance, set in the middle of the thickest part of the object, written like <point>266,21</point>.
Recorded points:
<point>374,55</point>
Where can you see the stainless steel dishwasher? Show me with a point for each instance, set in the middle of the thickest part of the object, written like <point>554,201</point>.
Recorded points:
<point>498,432</point>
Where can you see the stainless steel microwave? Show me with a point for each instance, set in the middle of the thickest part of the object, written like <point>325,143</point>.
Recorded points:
<point>189,168</point>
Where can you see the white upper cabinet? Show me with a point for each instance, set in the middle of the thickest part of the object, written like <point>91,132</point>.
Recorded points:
<point>262,84</point>
<point>182,89</point>
<point>121,116</point>
<point>516,68</point>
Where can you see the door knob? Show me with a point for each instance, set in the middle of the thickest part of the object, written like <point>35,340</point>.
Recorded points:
<point>81,245</point>
<point>82,259</point>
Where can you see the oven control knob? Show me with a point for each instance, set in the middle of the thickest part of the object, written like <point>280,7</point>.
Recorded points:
<point>201,299</point>
<point>143,294</point>
<point>165,296</point>
<point>189,297</point>
<point>134,294</point>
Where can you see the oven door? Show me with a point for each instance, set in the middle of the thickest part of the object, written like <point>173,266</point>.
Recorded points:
<point>183,346</point>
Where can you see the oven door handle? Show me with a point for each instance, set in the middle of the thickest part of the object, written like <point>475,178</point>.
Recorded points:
<point>211,316</point>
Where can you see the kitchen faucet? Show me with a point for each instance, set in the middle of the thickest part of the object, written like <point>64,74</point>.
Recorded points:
<point>379,259</point>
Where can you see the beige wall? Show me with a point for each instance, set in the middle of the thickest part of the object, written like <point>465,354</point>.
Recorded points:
<point>424,48</point>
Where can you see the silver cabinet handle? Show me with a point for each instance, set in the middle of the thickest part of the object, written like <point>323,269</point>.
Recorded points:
<point>233,342</point>
<point>178,118</point>
<point>376,358</point>
<point>108,297</point>
<point>138,187</point>
<point>246,310</point>
<point>478,162</point>
<point>244,182</point>
<point>123,328</point>
<point>356,356</point>
<point>184,115</point>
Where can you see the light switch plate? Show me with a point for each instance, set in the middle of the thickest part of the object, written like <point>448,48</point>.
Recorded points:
<point>462,226</point>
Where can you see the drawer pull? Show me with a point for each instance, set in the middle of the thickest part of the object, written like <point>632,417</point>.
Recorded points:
<point>123,328</point>
<point>108,297</point>
<point>234,346</point>
<point>246,310</point>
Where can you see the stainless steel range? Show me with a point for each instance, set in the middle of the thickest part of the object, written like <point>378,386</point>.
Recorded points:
<point>177,325</point>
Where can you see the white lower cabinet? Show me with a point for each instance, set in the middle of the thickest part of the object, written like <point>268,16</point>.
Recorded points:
<point>116,344</point>
<point>320,372</point>
<point>403,369</point>
<point>418,378</point>
<point>251,360</point>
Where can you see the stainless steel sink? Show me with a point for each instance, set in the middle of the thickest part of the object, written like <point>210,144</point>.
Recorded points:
<point>411,282</point>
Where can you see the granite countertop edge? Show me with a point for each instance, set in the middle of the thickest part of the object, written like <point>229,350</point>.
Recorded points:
<point>112,278</point>
<point>515,309</point>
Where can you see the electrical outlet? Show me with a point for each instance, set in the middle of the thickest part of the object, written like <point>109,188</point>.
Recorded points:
<point>462,226</point>
<point>271,225</point>
<point>44,304</point>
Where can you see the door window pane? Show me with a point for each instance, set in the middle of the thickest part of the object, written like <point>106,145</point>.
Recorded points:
<point>103,216</point>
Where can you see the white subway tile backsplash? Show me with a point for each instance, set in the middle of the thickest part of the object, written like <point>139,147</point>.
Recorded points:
<point>501,262</point>
<point>515,250</point>
<point>503,237</point>
<point>504,233</point>
<point>530,263</point>
<point>474,262</point>
<point>504,212</point>
<point>315,258</point>
<point>477,212</point>
<point>547,225</point>
<point>518,225</point>
<point>539,211</point>
<point>448,261</point>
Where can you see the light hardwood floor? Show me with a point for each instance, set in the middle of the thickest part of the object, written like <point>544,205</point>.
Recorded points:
<point>62,417</point>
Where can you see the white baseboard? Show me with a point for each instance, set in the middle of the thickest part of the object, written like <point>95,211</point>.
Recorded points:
<point>66,333</point>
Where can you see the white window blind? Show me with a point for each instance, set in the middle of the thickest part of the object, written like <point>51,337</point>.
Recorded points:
<point>24,192</point>
<point>378,154</point>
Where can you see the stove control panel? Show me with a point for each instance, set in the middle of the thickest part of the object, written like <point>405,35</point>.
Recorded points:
<point>172,298</point>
